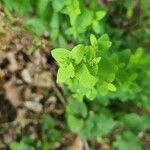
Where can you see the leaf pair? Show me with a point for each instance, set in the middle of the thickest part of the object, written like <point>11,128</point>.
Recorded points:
<point>67,61</point>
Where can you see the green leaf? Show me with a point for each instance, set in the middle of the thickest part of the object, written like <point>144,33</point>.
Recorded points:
<point>96,60</point>
<point>77,108</point>
<point>74,123</point>
<point>61,55</point>
<point>96,26</point>
<point>36,25</point>
<point>93,40</point>
<point>73,9</point>
<point>98,125</point>
<point>105,124</point>
<point>107,70</point>
<point>128,141</point>
<point>42,4</point>
<point>55,21</point>
<point>20,7</point>
<point>131,120</point>
<point>84,77</point>
<point>84,20</point>
<point>24,144</point>
<point>103,88</point>
<point>90,52</point>
<point>57,6</point>
<point>64,73</point>
<point>104,42</point>
<point>54,24</point>
<point>91,94</point>
<point>100,15</point>
<point>55,136</point>
<point>77,53</point>
<point>47,122</point>
<point>111,87</point>
<point>124,56</point>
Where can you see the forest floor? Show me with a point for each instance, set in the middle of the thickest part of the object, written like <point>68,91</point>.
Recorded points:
<point>27,89</point>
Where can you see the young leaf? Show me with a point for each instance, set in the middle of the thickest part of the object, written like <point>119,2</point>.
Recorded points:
<point>74,123</point>
<point>104,42</point>
<point>100,15</point>
<point>93,40</point>
<point>73,10</point>
<point>77,53</point>
<point>57,6</point>
<point>60,54</point>
<point>84,20</point>
<point>95,26</point>
<point>111,87</point>
<point>103,88</point>
<point>91,94</point>
<point>84,77</point>
<point>64,73</point>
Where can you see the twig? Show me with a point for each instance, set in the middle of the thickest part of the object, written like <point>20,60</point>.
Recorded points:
<point>58,93</point>
<point>86,146</point>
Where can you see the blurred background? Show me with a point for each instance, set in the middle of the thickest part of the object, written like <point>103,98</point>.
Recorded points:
<point>33,107</point>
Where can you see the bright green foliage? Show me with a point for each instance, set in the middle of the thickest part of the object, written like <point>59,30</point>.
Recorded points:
<point>92,70</point>
<point>49,15</point>
<point>94,73</point>
<point>79,68</point>
<point>74,20</point>
<point>73,10</point>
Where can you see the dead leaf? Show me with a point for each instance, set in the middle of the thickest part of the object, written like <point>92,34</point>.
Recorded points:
<point>13,92</point>
<point>6,37</point>
<point>21,119</point>
<point>42,79</point>
<point>105,146</point>
<point>26,76</point>
<point>39,59</point>
<point>77,144</point>
<point>34,106</point>
<point>13,64</point>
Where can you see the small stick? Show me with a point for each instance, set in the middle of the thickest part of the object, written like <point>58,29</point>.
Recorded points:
<point>58,93</point>
<point>86,146</point>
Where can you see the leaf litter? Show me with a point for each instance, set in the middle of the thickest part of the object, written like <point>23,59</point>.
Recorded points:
<point>27,91</point>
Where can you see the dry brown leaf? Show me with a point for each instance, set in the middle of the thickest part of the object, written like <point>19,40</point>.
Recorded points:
<point>42,79</point>
<point>13,64</point>
<point>105,146</point>
<point>6,37</point>
<point>13,92</point>
<point>34,106</point>
<point>50,104</point>
<point>39,59</point>
<point>21,118</point>
<point>77,144</point>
